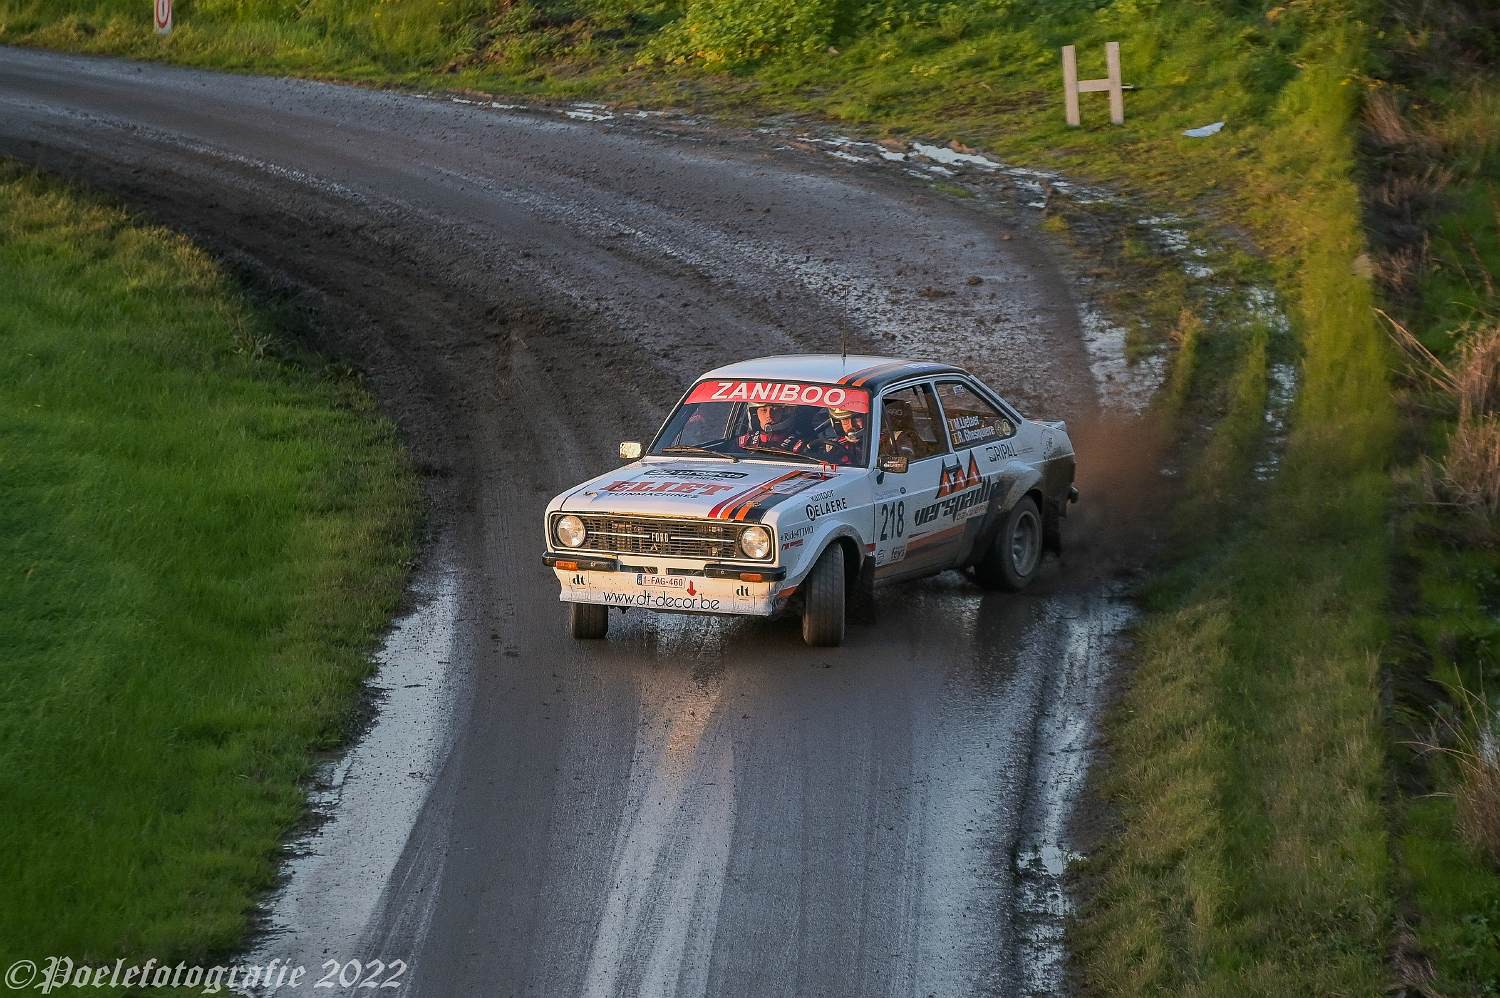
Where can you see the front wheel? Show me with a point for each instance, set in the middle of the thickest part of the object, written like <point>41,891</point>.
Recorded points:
<point>823,600</point>
<point>588,621</point>
<point>1016,554</point>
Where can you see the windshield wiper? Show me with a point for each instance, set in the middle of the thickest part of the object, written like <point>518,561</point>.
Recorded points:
<point>782,453</point>
<point>690,449</point>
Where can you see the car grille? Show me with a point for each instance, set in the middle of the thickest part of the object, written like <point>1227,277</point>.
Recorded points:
<point>667,538</point>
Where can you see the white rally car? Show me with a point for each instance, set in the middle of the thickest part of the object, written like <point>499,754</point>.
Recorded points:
<point>801,483</point>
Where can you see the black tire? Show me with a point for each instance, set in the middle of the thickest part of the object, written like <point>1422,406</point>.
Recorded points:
<point>1016,553</point>
<point>823,600</point>
<point>588,621</point>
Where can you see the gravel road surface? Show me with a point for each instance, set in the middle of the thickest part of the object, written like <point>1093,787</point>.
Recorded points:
<point>694,807</point>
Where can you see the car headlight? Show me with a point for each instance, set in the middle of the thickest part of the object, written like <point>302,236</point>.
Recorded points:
<point>570,531</point>
<point>755,542</point>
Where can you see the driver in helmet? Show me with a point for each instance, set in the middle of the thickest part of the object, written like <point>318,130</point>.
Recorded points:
<point>847,446</point>
<point>775,427</point>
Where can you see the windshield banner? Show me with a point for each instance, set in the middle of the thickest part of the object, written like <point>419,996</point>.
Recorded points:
<point>781,393</point>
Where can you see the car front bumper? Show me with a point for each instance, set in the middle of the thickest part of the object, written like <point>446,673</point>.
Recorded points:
<point>712,589</point>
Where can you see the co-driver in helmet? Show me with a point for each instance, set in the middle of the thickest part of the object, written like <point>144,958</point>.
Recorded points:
<point>775,429</point>
<point>847,446</point>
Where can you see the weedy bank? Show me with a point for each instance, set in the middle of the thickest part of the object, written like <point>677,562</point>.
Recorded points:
<point>203,534</point>
<point>1251,757</point>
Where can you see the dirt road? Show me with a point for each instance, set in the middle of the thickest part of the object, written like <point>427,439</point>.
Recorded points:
<point>695,807</point>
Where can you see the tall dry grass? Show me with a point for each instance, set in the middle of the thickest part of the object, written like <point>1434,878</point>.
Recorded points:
<point>1469,735</point>
<point>1469,473</point>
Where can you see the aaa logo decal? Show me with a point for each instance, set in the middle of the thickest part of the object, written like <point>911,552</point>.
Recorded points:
<point>956,478</point>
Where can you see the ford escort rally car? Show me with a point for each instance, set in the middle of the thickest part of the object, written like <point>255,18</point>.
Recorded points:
<point>800,483</point>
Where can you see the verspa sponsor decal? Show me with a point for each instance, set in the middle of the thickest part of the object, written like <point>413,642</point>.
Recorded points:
<point>781,393</point>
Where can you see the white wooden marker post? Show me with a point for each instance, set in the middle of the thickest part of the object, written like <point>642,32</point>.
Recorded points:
<point>163,16</point>
<point>1073,86</point>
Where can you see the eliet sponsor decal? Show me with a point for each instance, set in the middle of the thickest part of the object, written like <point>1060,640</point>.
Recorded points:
<point>781,393</point>
<point>671,489</point>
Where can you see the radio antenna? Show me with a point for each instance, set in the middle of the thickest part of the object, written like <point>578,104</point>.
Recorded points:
<point>844,344</point>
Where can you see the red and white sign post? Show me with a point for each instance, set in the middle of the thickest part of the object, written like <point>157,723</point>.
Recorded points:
<point>163,16</point>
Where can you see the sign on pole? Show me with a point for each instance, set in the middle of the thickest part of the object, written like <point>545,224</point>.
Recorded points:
<point>1073,86</point>
<point>163,16</point>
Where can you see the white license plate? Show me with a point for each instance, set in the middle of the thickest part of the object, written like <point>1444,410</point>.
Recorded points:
<point>661,581</point>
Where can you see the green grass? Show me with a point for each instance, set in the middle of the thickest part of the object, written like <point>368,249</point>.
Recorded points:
<point>1436,160</point>
<point>202,538</point>
<point>1254,855</point>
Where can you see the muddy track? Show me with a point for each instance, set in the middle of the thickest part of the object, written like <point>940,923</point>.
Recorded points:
<point>695,807</point>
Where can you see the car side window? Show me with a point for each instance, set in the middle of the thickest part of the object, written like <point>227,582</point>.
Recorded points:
<point>969,418</point>
<point>909,425</point>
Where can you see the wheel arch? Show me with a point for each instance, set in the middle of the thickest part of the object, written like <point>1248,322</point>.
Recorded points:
<point>1016,482</point>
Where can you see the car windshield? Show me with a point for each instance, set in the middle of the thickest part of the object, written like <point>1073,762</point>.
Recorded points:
<point>776,420</point>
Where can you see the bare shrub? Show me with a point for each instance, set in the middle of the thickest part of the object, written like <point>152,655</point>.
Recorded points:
<point>1472,467</point>
<point>1404,194</point>
<point>1401,269</point>
<point>1471,470</point>
<point>1384,122</point>
<point>1469,735</point>
<point>1477,375</point>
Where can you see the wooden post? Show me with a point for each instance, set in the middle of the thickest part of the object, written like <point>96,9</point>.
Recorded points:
<point>1070,84</point>
<point>1114,83</point>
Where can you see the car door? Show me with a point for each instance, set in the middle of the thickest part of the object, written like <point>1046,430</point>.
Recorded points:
<point>912,537</point>
<point>985,439</point>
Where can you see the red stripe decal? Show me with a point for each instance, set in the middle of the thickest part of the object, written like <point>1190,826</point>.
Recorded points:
<point>725,509</point>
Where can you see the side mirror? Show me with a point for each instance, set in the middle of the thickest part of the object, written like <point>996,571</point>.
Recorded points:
<point>895,465</point>
<point>630,450</point>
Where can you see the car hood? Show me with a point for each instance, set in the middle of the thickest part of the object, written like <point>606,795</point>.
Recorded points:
<point>744,490</point>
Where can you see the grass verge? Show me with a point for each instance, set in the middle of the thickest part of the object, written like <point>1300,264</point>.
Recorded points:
<point>1432,148</point>
<point>1255,854</point>
<point>203,536</point>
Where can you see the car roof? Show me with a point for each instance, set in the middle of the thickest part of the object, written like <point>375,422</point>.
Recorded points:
<point>858,370</point>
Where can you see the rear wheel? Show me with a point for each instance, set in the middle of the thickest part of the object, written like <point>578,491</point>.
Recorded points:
<point>588,621</point>
<point>1016,554</point>
<point>823,600</point>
